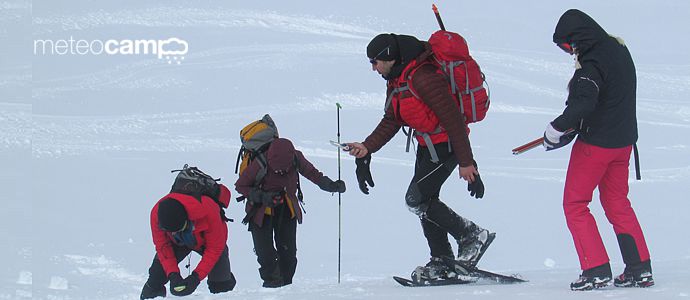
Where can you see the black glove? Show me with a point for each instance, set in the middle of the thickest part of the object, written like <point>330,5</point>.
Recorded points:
<point>185,287</point>
<point>175,280</point>
<point>364,173</point>
<point>328,185</point>
<point>476,188</point>
<point>270,199</point>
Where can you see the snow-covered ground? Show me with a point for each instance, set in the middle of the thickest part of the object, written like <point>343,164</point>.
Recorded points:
<point>87,141</point>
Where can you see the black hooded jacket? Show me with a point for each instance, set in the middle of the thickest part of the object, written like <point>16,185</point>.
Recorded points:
<point>602,92</point>
<point>407,49</point>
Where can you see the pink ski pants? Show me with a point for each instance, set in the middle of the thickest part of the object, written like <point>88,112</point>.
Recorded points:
<point>607,168</point>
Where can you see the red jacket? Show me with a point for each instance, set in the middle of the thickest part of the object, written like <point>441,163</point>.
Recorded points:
<point>210,232</point>
<point>427,105</point>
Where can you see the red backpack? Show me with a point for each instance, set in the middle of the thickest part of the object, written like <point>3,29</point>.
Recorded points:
<point>466,78</point>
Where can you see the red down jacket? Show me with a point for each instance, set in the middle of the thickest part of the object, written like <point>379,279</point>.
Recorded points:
<point>210,232</point>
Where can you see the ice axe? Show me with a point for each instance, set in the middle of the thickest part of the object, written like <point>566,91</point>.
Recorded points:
<point>438,17</point>
<point>533,144</point>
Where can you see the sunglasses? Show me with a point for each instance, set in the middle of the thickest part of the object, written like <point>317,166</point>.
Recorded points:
<point>184,227</point>
<point>567,47</point>
<point>373,60</point>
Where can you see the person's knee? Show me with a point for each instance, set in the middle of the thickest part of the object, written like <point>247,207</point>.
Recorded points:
<point>415,201</point>
<point>287,250</point>
<point>216,287</point>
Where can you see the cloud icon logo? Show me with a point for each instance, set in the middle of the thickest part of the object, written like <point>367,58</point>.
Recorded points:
<point>173,49</point>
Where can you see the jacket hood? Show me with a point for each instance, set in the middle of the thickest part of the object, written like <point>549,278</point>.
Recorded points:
<point>578,28</point>
<point>280,155</point>
<point>409,48</point>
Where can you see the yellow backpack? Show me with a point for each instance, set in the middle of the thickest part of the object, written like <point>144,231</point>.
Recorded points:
<point>255,137</point>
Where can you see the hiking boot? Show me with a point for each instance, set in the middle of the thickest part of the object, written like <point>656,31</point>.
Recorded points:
<point>273,283</point>
<point>631,280</point>
<point>594,278</point>
<point>149,292</point>
<point>639,275</point>
<point>472,247</point>
<point>438,268</point>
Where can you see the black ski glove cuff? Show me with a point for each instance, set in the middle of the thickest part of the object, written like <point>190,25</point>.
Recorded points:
<point>328,185</point>
<point>363,173</point>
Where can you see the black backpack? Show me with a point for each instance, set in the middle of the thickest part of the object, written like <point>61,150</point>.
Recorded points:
<point>192,181</point>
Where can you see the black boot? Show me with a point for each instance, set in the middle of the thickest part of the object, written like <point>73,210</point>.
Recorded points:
<point>216,287</point>
<point>639,275</point>
<point>472,239</point>
<point>472,246</point>
<point>150,292</point>
<point>272,279</point>
<point>594,278</point>
<point>438,268</point>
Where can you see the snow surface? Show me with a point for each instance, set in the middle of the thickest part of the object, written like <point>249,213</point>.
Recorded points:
<point>87,141</point>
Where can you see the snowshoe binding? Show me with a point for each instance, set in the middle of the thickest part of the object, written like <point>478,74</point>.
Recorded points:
<point>472,247</point>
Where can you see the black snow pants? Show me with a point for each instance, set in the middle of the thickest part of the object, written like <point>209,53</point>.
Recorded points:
<point>422,198</point>
<point>220,279</point>
<point>277,261</point>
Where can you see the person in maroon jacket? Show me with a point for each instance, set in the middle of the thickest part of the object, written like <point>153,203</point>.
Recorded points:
<point>419,96</point>
<point>181,224</point>
<point>273,208</point>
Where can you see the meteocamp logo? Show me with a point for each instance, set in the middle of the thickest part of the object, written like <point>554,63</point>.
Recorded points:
<point>173,49</point>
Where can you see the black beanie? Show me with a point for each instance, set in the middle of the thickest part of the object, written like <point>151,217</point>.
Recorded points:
<point>171,215</point>
<point>383,47</point>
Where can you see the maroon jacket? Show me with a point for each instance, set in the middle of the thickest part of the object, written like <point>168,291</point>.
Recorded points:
<point>432,89</point>
<point>280,156</point>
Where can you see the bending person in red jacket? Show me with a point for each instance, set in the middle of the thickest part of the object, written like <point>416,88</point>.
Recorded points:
<point>181,224</point>
<point>273,209</point>
<point>419,96</point>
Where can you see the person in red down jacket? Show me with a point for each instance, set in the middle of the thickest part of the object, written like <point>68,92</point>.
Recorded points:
<point>419,96</point>
<point>273,208</point>
<point>181,224</point>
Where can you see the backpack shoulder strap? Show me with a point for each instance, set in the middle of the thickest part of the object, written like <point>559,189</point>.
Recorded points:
<point>411,73</point>
<point>239,157</point>
<point>260,158</point>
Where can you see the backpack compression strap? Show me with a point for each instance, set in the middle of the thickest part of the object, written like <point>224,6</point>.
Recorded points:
<point>450,70</point>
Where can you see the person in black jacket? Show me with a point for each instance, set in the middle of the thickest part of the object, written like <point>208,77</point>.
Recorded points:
<point>600,111</point>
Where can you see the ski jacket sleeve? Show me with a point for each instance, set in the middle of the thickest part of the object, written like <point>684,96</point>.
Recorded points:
<point>384,131</point>
<point>583,95</point>
<point>247,179</point>
<point>432,88</point>
<point>215,236</point>
<point>307,169</point>
<point>164,250</point>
